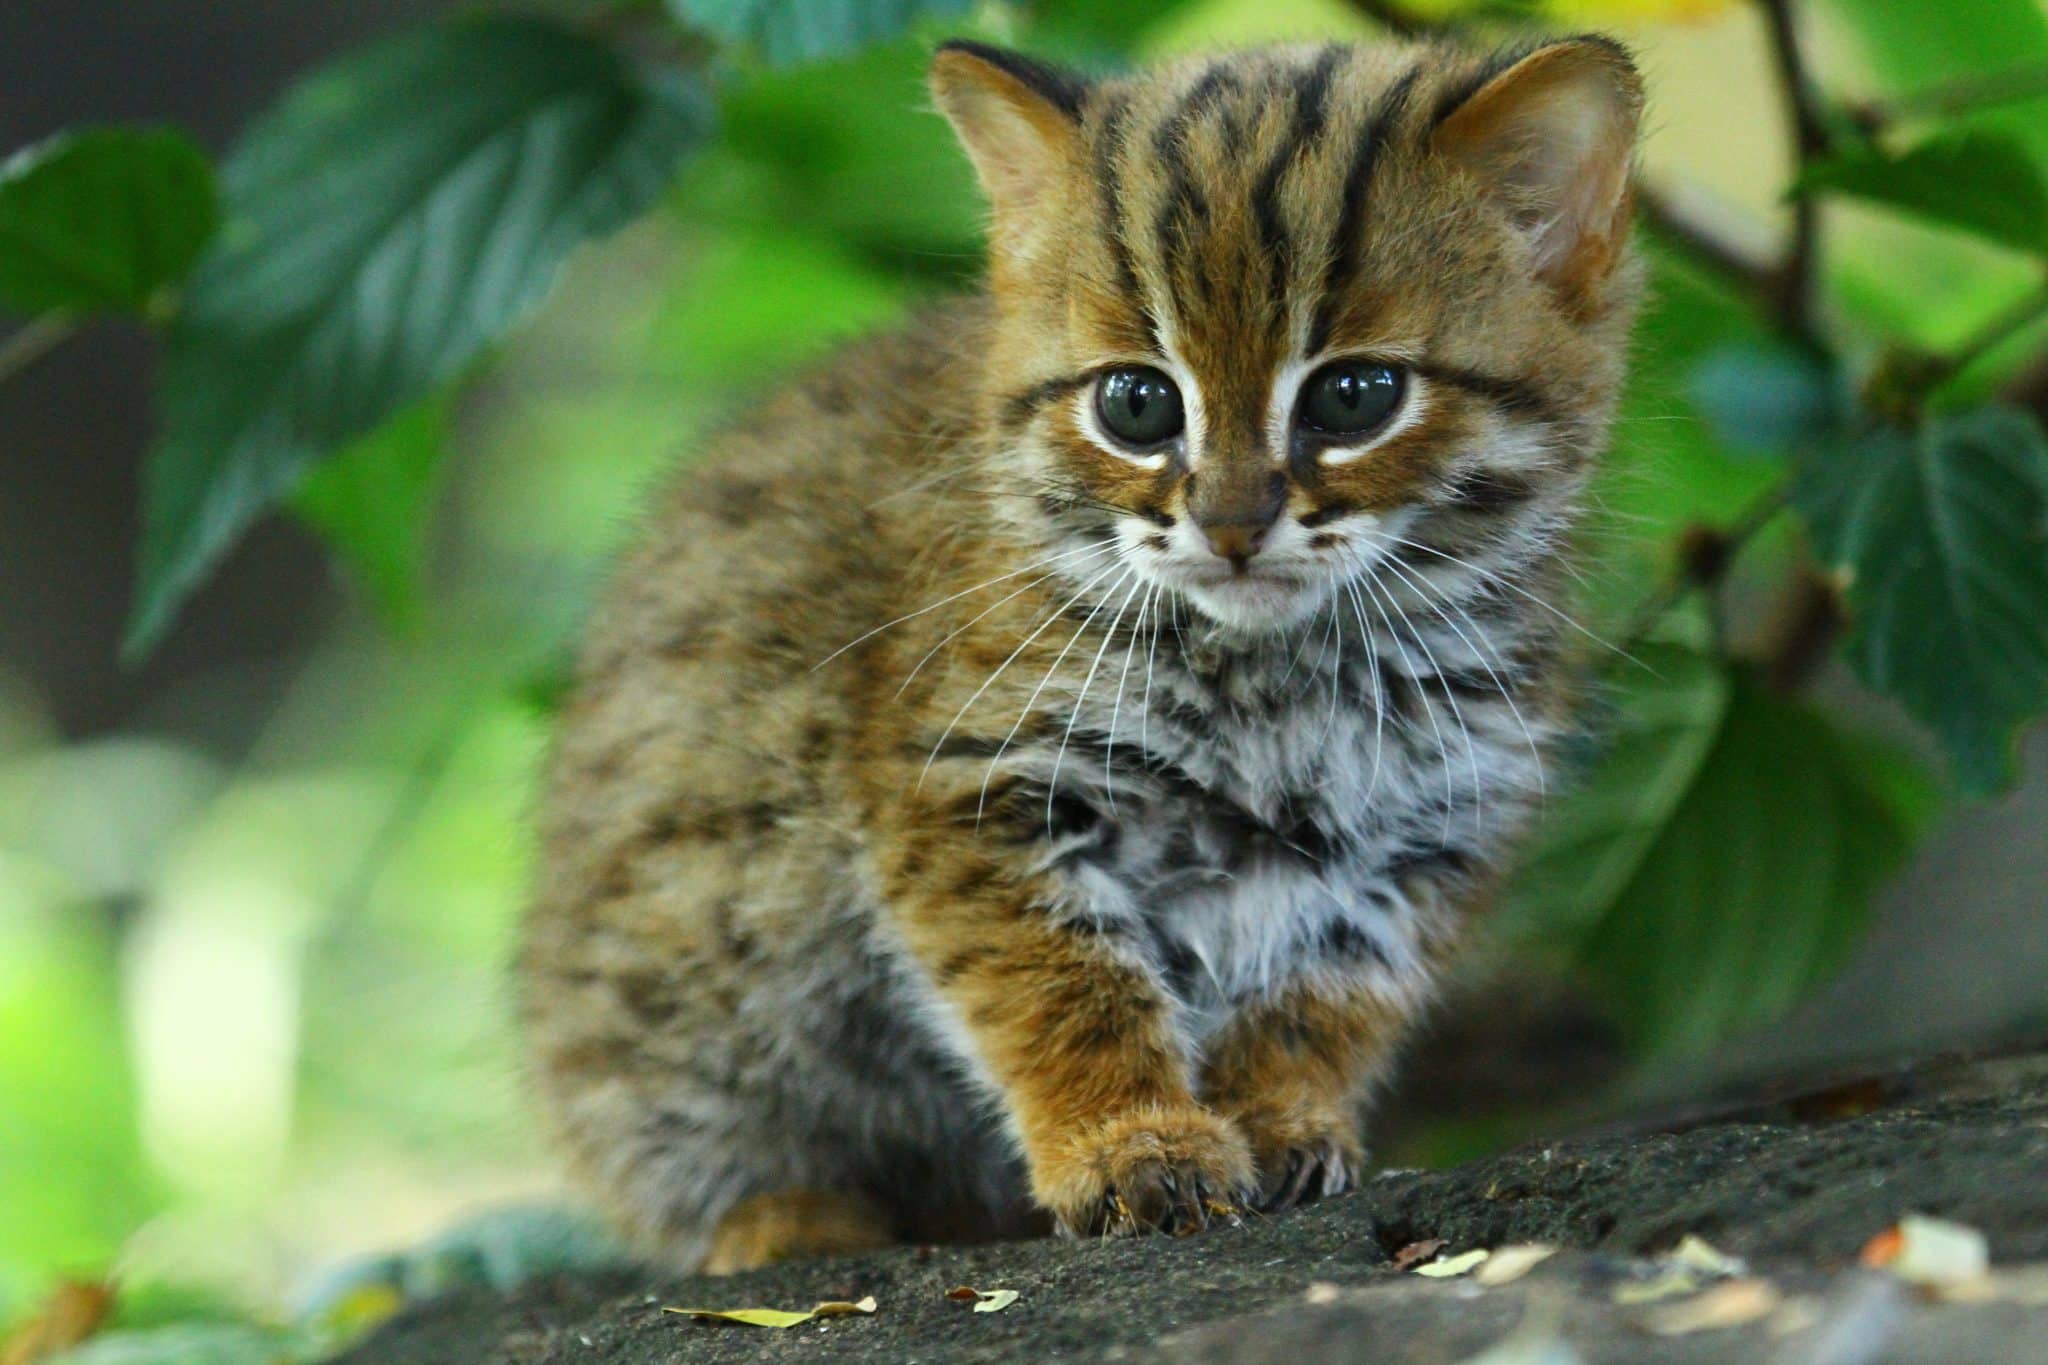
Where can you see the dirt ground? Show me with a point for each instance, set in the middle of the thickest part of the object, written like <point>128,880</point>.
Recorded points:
<point>1794,1185</point>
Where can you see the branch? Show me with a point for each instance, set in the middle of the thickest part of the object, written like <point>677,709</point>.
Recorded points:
<point>1810,142</point>
<point>33,341</point>
<point>1707,554</point>
<point>1903,377</point>
<point>1950,98</point>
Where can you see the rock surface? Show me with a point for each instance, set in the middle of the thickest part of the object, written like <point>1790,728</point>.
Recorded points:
<point>1795,1186</point>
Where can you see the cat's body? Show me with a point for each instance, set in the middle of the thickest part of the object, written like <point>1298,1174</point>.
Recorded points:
<point>941,828</point>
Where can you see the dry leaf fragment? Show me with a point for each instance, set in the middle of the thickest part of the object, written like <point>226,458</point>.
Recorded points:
<point>71,1316</point>
<point>778,1318</point>
<point>1728,1304</point>
<point>1881,1250</point>
<point>1453,1265</point>
<point>1415,1252</point>
<point>985,1300</point>
<point>1931,1252</point>
<point>1666,1284</point>
<point>1696,1253</point>
<point>1511,1263</point>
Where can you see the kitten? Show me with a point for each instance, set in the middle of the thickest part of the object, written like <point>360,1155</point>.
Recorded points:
<point>1033,768</point>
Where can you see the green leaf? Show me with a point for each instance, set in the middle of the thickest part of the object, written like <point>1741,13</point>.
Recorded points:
<point>889,182</point>
<point>391,218</point>
<point>787,31</point>
<point>1761,879</point>
<point>1979,181</point>
<point>102,220</point>
<point>73,1180</point>
<point>371,504</point>
<point>1942,534</point>
<point>1662,719</point>
<point>210,1344</point>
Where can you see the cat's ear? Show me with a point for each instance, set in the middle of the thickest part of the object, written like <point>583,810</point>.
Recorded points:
<point>1554,137</point>
<point>1019,119</point>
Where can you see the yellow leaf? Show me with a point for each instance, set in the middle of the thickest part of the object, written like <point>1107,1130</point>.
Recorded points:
<point>1511,1263</point>
<point>1452,1265</point>
<point>752,1317</point>
<point>1934,1252</point>
<point>1667,1284</point>
<point>1729,1304</point>
<point>1696,1253</point>
<point>777,1317</point>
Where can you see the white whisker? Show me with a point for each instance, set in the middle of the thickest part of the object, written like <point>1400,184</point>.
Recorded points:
<point>1377,589</point>
<point>986,682</point>
<point>964,592</point>
<point>968,624</point>
<point>981,803</point>
<point>1421,585</point>
<point>1052,785</point>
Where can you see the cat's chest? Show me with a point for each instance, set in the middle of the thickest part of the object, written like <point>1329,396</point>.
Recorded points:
<point>1249,833</point>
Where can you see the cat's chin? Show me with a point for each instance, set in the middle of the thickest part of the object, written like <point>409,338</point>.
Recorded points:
<point>1255,604</point>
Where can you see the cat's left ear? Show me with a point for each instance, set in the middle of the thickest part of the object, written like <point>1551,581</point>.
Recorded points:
<point>1019,119</point>
<point>1554,137</point>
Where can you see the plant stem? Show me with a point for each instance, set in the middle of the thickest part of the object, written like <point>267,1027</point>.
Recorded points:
<point>1810,143</point>
<point>2009,86</point>
<point>33,341</point>
<point>2008,323</point>
<point>1728,545</point>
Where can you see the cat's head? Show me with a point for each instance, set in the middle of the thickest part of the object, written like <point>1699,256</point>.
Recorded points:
<point>1264,317</point>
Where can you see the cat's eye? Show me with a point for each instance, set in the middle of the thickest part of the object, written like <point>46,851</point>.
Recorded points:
<point>1350,397</point>
<point>1139,406</point>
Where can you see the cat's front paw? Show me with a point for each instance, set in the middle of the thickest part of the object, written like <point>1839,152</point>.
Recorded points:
<point>1171,1170</point>
<point>1302,1156</point>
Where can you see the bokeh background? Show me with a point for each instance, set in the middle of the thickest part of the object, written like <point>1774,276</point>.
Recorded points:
<point>257,895</point>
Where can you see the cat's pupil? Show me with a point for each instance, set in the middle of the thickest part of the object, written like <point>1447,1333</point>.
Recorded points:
<point>1139,405</point>
<point>1350,397</point>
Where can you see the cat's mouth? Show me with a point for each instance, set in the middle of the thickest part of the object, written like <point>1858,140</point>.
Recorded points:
<point>1254,598</point>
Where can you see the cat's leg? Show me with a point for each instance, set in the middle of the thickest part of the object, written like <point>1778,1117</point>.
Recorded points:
<point>790,1225</point>
<point>1293,1070</point>
<point>1075,1035</point>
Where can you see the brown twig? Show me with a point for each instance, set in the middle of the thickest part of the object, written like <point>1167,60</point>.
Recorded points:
<point>1810,143</point>
<point>1709,553</point>
<point>1903,377</point>
<point>1950,98</point>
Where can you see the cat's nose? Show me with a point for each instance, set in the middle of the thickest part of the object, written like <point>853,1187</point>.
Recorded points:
<point>1236,541</point>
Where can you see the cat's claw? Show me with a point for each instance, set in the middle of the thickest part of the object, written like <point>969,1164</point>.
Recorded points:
<point>1178,1201</point>
<point>1305,1174</point>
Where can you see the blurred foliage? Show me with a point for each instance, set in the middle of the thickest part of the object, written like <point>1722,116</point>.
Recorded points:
<point>253,1015</point>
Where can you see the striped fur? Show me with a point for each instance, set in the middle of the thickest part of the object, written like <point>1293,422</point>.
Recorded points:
<point>941,836</point>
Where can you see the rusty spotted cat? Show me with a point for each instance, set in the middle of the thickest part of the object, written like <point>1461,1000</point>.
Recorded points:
<point>1033,768</point>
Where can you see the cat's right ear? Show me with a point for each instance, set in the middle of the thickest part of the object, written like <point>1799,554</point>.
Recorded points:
<point>1019,119</point>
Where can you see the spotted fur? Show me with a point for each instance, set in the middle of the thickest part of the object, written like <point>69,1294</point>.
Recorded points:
<point>946,831</point>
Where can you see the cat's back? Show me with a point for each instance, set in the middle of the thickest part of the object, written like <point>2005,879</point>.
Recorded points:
<point>788,535</point>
